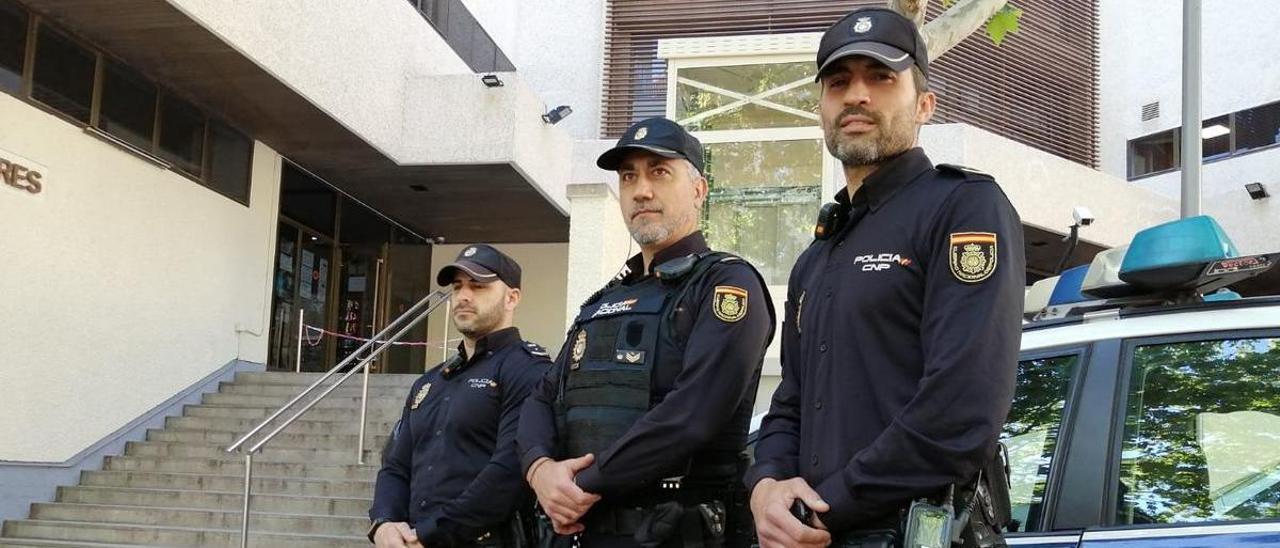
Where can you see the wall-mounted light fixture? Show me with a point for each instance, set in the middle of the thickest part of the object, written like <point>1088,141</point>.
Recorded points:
<point>556,114</point>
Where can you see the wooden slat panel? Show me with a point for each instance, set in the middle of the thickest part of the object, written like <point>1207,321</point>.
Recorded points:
<point>1039,88</point>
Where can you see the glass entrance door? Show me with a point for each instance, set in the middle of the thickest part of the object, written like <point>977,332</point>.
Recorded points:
<point>360,296</point>
<point>303,262</point>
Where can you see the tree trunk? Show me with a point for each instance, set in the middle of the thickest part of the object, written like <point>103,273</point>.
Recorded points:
<point>963,18</point>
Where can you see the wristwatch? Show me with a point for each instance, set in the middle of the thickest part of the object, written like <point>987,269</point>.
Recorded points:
<point>373,527</point>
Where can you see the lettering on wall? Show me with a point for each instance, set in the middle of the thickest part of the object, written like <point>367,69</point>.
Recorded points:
<point>18,174</point>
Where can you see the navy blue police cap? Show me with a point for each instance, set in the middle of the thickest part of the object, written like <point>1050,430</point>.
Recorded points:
<point>659,136</point>
<point>483,263</point>
<point>879,33</point>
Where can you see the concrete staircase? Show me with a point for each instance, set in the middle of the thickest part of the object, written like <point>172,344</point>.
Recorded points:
<point>180,488</point>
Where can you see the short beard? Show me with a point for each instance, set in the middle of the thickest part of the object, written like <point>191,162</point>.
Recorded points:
<point>890,141</point>
<point>485,322</point>
<point>655,232</point>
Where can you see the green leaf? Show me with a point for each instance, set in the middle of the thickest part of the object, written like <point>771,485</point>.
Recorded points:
<point>1003,23</point>
<point>947,3</point>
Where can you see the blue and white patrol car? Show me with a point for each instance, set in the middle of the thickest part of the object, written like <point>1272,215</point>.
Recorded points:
<point>1147,411</point>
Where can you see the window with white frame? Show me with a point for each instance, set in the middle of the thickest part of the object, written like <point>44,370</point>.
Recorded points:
<point>767,168</point>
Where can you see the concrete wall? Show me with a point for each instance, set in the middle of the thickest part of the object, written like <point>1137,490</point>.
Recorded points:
<point>540,316</point>
<point>1044,188</point>
<point>123,283</point>
<point>351,59</point>
<point>382,71</point>
<point>1254,225</point>
<point>1141,62</point>
<point>1141,56</point>
<point>557,47</point>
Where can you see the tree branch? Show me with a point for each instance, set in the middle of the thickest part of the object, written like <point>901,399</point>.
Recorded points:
<point>912,9</point>
<point>958,22</point>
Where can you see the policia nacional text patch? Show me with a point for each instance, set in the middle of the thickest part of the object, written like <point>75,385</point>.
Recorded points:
<point>973,256</point>
<point>730,303</point>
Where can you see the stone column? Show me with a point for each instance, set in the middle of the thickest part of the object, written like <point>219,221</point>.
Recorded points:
<point>599,243</point>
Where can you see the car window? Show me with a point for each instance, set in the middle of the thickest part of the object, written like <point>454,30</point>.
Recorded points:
<point>1201,432</point>
<point>1031,433</point>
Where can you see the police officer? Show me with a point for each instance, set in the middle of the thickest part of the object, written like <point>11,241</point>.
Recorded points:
<point>902,323</point>
<point>637,436</point>
<point>451,476</point>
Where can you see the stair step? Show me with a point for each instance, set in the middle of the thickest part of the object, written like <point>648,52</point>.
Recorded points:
<point>261,412</point>
<point>304,380</point>
<point>270,453</point>
<point>181,488</point>
<point>285,439</point>
<point>304,425</point>
<point>214,500</point>
<point>200,517</point>
<point>332,401</point>
<point>232,483</point>
<point>221,467</point>
<point>123,533</point>
<point>287,391</point>
<point>42,543</point>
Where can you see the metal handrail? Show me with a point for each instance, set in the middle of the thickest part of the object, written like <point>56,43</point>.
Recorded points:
<point>414,316</point>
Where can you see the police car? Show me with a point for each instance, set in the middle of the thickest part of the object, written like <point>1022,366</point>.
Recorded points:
<point>1147,410</point>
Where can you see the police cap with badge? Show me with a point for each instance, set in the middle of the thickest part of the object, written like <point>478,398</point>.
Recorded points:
<point>659,136</point>
<point>483,263</point>
<point>878,33</point>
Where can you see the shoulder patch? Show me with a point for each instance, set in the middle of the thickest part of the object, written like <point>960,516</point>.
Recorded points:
<point>729,303</point>
<point>967,172</point>
<point>536,350</point>
<point>973,256</point>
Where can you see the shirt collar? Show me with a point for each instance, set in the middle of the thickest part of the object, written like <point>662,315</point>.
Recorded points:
<point>693,243</point>
<point>886,181</point>
<point>491,342</point>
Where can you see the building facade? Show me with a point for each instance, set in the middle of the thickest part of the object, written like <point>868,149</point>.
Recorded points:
<point>191,187</point>
<point>1141,108</point>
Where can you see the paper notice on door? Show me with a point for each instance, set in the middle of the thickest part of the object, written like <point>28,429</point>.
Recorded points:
<point>305,287</point>
<point>322,284</point>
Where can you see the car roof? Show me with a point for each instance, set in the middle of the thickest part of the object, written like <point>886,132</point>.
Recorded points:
<point>1251,313</point>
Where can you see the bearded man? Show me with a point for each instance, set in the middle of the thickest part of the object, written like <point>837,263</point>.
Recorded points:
<point>902,324</point>
<point>451,476</point>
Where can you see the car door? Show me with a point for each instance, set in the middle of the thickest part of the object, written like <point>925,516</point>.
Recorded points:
<point>1047,385</point>
<point>1194,455</point>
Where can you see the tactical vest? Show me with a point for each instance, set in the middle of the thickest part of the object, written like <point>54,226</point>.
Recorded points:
<point>622,335</point>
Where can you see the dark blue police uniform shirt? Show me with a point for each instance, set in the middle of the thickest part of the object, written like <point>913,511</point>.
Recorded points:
<point>899,348</point>
<point>453,473</point>
<point>718,376</point>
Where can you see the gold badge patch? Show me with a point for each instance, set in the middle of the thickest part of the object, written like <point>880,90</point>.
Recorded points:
<point>579,350</point>
<point>730,303</point>
<point>973,256</point>
<point>421,395</point>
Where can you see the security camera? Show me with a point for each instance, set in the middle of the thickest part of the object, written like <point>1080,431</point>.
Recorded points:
<point>1082,215</point>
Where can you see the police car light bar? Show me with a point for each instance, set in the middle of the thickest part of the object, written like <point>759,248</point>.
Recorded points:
<point>1173,255</point>
<point>1176,262</point>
